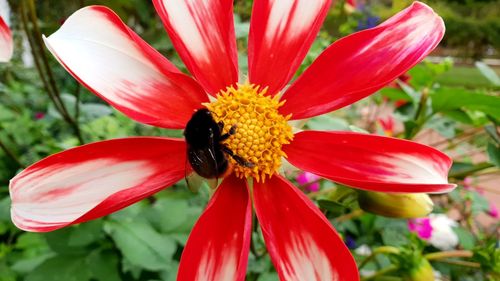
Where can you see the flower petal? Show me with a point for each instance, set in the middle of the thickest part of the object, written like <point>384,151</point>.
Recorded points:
<point>202,32</point>
<point>6,45</point>
<point>281,33</point>
<point>371,162</point>
<point>94,180</point>
<point>217,248</point>
<point>362,63</point>
<point>101,52</point>
<point>302,243</point>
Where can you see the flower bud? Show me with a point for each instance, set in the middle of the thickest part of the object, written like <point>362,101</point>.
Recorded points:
<point>401,205</point>
<point>421,272</point>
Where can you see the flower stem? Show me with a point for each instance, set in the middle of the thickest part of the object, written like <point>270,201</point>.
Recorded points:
<point>381,272</point>
<point>449,254</point>
<point>11,154</point>
<point>349,216</point>
<point>462,263</point>
<point>36,58</point>
<point>379,250</point>
<point>476,168</point>
<point>420,114</point>
<point>28,9</point>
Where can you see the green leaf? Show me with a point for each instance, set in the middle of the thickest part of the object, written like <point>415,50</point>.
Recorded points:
<point>26,265</point>
<point>61,268</point>
<point>86,233</point>
<point>59,242</point>
<point>90,111</point>
<point>141,244</point>
<point>104,266</point>
<point>488,72</point>
<point>465,238</point>
<point>241,28</point>
<point>412,93</point>
<point>5,209</point>
<point>492,132</point>
<point>459,115</point>
<point>494,154</point>
<point>170,272</point>
<point>394,231</point>
<point>168,214</point>
<point>443,126</point>
<point>444,99</point>
<point>29,240</point>
<point>327,123</point>
<point>395,94</point>
<point>7,274</point>
<point>358,129</point>
<point>334,207</point>
<point>479,203</point>
<point>269,276</point>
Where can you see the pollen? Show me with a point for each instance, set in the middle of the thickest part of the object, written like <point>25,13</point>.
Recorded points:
<point>259,131</point>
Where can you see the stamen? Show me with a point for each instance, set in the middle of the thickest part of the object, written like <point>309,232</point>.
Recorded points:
<point>261,130</point>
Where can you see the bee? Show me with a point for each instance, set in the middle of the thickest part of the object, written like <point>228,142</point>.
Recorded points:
<point>206,152</point>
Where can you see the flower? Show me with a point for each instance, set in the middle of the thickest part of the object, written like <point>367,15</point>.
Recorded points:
<point>437,229</point>
<point>106,56</point>
<point>309,180</point>
<point>493,210</point>
<point>421,226</point>
<point>6,44</point>
<point>443,237</point>
<point>387,125</point>
<point>363,250</point>
<point>350,242</point>
<point>468,183</point>
<point>39,115</point>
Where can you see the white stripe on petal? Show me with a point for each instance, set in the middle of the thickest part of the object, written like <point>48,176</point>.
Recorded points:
<point>202,32</point>
<point>62,193</point>
<point>6,44</point>
<point>291,15</point>
<point>413,169</point>
<point>306,261</point>
<point>96,47</point>
<point>210,269</point>
<point>188,29</point>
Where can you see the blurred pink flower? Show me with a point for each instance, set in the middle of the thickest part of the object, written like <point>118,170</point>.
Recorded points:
<point>39,115</point>
<point>305,178</point>
<point>421,226</point>
<point>467,183</point>
<point>493,211</point>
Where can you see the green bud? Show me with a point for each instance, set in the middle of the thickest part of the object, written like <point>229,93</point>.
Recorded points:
<point>420,272</point>
<point>400,205</point>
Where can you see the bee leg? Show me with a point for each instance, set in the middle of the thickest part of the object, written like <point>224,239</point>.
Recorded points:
<point>231,132</point>
<point>221,125</point>
<point>238,159</point>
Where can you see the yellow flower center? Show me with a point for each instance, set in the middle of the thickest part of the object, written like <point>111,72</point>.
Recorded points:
<point>260,132</point>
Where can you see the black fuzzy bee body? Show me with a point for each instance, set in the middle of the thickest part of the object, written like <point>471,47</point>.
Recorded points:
<point>205,152</point>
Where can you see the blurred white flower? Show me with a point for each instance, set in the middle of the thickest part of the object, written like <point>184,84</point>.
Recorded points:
<point>363,250</point>
<point>443,237</point>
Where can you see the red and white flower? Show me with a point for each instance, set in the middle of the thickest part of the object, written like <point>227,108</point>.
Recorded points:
<point>6,44</point>
<point>106,56</point>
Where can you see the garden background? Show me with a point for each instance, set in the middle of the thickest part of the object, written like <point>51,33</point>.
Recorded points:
<point>450,101</point>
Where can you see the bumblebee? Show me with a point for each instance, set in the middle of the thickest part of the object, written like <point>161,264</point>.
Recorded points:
<point>206,152</point>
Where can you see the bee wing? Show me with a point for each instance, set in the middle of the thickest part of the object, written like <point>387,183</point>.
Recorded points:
<point>194,181</point>
<point>202,161</point>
